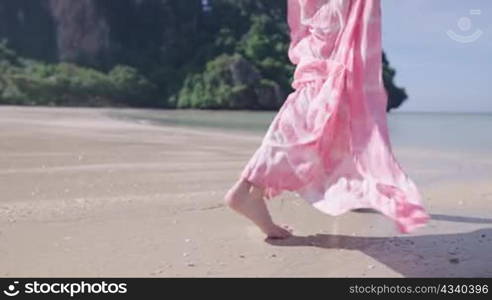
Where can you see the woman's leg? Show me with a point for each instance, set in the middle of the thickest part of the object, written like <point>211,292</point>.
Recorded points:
<point>247,199</point>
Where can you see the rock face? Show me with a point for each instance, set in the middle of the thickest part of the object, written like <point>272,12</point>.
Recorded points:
<point>260,93</point>
<point>29,28</point>
<point>82,32</point>
<point>270,95</point>
<point>54,30</point>
<point>243,72</point>
<point>230,81</point>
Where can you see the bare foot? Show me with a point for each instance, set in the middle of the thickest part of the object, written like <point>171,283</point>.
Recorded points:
<point>279,232</point>
<point>247,200</point>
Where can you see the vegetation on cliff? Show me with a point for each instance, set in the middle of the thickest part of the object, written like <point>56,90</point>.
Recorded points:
<point>220,54</point>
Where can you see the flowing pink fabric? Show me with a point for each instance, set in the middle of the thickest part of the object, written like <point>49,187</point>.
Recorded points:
<point>329,142</point>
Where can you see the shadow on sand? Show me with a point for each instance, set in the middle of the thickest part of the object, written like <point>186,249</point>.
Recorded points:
<point>441,255</point>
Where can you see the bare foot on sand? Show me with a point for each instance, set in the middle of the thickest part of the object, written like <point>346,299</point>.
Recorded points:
<point>247,200</point>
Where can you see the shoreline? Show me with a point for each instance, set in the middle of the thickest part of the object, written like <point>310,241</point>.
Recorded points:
<point>87,195</point>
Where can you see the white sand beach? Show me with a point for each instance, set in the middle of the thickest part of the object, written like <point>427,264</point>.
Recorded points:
<point>84,194</point>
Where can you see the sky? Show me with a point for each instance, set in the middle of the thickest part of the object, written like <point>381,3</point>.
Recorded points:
<point>441,50</point>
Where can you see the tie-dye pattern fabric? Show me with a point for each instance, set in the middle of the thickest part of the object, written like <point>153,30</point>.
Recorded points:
<point>329,142</point>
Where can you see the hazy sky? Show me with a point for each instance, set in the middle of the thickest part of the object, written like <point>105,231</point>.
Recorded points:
<point>442,51</point>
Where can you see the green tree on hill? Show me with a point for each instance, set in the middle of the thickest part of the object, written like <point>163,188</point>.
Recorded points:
<point>150,53</point>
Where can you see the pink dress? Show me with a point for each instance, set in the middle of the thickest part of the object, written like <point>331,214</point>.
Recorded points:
<point>329,142</point>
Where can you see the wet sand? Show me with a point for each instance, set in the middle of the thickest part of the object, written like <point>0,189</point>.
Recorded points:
<point>83,194</point>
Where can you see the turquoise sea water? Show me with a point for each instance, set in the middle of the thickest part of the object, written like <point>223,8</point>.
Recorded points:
<point>463,132</point>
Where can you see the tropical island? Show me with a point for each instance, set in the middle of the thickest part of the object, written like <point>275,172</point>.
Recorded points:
<point>202,54</point>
